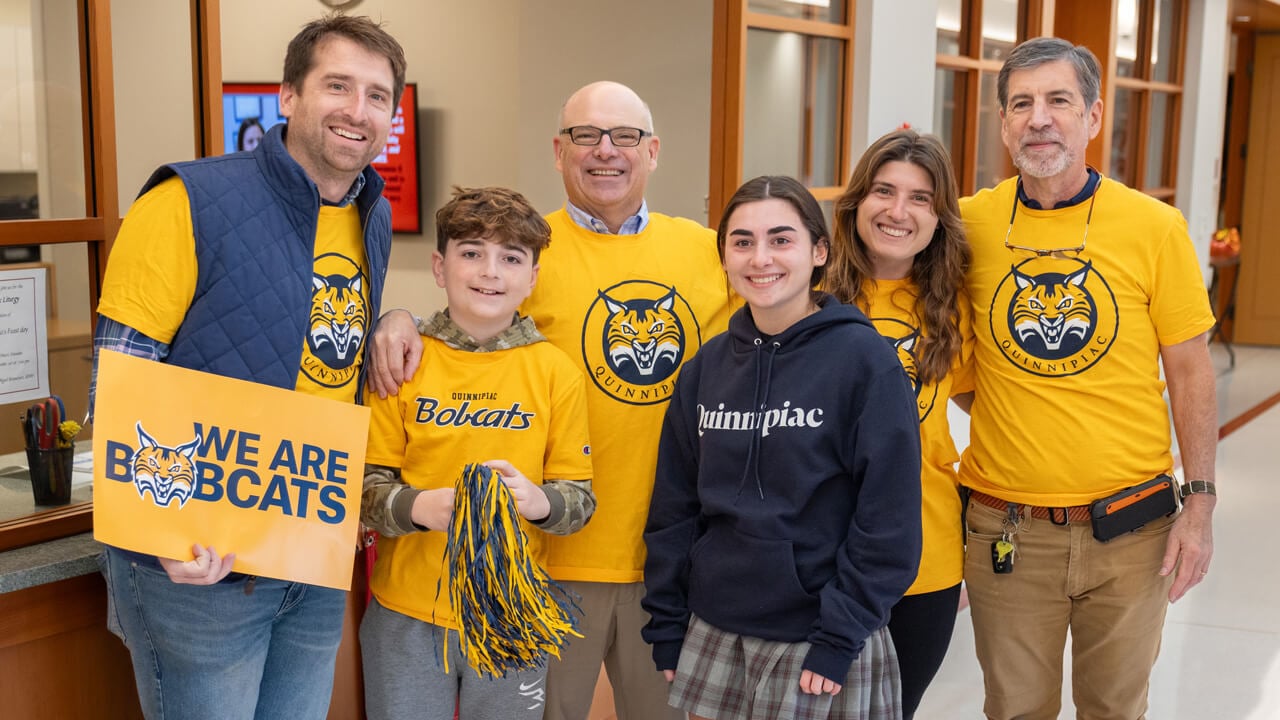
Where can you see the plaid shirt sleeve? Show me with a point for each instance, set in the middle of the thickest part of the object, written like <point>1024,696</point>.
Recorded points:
<point>117,336</point>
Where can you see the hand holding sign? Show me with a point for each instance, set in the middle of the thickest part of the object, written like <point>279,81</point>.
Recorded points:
<point>206,569</point>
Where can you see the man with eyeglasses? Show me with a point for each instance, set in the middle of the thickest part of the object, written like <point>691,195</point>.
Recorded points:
<point>630,295</point>
<point>1086,287</point>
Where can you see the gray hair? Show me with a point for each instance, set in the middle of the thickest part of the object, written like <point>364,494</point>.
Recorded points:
<point>1037,51</point>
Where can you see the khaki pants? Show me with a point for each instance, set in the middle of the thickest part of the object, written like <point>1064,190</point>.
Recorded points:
<point>1108,595</point>
<point>610,625</point>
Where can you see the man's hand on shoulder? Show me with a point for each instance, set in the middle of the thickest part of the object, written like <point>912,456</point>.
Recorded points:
<point>394,351</point>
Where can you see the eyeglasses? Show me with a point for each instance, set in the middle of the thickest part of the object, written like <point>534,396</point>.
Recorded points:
<point>1060,253</point>
<point>619,136</point>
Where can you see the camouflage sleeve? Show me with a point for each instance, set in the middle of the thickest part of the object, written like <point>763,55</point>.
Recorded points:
<point>572,505</point>
<point>421,322</point>
<point>386,503</point>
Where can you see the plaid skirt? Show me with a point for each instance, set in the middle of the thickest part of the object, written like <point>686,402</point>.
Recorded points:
<point>733,677</point>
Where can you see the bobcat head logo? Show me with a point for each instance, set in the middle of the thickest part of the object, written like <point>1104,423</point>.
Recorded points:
<point>1052,310</point>
<point>635,336</point>
<point>642,336</point>
<point>904,337</point>
<point>337,318</point>
<point>1054,317</point>
<point>338,322</point>
<point>168,473</point>
<point>905,347</point>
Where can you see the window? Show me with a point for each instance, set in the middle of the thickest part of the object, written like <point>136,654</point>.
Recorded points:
<point>782,74</point>
<point>974,37</point>
<point>1148,95</point>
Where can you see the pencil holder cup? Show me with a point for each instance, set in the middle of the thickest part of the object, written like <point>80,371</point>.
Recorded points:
<point>51,474</point>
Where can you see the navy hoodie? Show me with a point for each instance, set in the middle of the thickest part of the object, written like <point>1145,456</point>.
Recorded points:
<point>797,522</point>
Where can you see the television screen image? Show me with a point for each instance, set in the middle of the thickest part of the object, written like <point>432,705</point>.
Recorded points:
<point>250,109</point>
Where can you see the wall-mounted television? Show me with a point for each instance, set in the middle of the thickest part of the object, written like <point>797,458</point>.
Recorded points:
<point>398,163</point>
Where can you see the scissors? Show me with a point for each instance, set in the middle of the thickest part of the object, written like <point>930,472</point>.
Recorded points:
<point>44,419</point>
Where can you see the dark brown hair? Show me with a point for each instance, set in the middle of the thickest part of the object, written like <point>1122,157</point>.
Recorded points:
<point>491,212</point>
<point>937,271</point>
<point>300,57</point>
<point>779,187</point>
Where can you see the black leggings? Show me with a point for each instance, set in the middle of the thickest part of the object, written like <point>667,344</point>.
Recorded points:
<point>921,627</point>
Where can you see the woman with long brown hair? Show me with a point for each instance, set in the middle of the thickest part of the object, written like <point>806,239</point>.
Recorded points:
<point>899,253</point>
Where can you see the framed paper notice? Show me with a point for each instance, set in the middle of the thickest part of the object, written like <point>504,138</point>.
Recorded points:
<point>24,341</point>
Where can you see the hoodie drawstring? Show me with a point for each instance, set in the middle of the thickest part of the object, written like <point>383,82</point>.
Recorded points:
<point>760,398</point>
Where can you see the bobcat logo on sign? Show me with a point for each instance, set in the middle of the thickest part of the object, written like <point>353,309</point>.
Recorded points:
<point>168,473</point>
<point>635,337</point>
<point>1054,317</point>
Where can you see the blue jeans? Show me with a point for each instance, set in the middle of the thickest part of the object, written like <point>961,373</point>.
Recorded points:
<point>216,652</point>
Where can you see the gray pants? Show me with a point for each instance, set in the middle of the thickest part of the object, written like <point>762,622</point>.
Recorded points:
<point>404,675</point>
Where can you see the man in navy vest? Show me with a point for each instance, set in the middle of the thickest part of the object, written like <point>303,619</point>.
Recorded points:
<point>265,266</point>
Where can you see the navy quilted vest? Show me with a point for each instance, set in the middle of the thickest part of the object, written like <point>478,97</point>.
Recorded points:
<point>254,216</point>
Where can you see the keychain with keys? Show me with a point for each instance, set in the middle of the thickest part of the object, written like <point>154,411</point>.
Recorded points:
<point>1002,549</point>
<point>1002,555</point>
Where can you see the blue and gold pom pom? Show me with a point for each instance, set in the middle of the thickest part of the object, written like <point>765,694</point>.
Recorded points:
<point>511,614</point>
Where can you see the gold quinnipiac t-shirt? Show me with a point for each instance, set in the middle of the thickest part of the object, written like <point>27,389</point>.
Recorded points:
<point>1068,402</point>
<point>891,308</point>
<point>628,310</point>
<point>525,405</point>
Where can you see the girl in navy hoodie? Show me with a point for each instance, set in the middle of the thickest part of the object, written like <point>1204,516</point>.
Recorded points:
<point>785,519</point>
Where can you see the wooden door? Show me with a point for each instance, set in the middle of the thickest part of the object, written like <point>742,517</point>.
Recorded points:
<point>1257,312</point>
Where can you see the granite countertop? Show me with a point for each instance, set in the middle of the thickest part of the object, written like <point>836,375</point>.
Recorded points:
<point>48,562</point>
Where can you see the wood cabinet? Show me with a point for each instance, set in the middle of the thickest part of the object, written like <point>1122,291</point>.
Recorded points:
<point>57,659</point>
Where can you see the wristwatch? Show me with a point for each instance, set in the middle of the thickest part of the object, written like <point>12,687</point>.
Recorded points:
<point>1191,487</point>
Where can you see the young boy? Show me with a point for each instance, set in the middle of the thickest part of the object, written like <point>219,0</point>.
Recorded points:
<point>488,387</point>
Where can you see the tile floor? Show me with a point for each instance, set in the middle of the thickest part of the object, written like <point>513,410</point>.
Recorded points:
<point>1221,653</point>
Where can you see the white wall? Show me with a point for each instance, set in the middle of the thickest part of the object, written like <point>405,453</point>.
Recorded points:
<point>895,46</point>
<point>1203,120</point>
<point>155,120</point>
